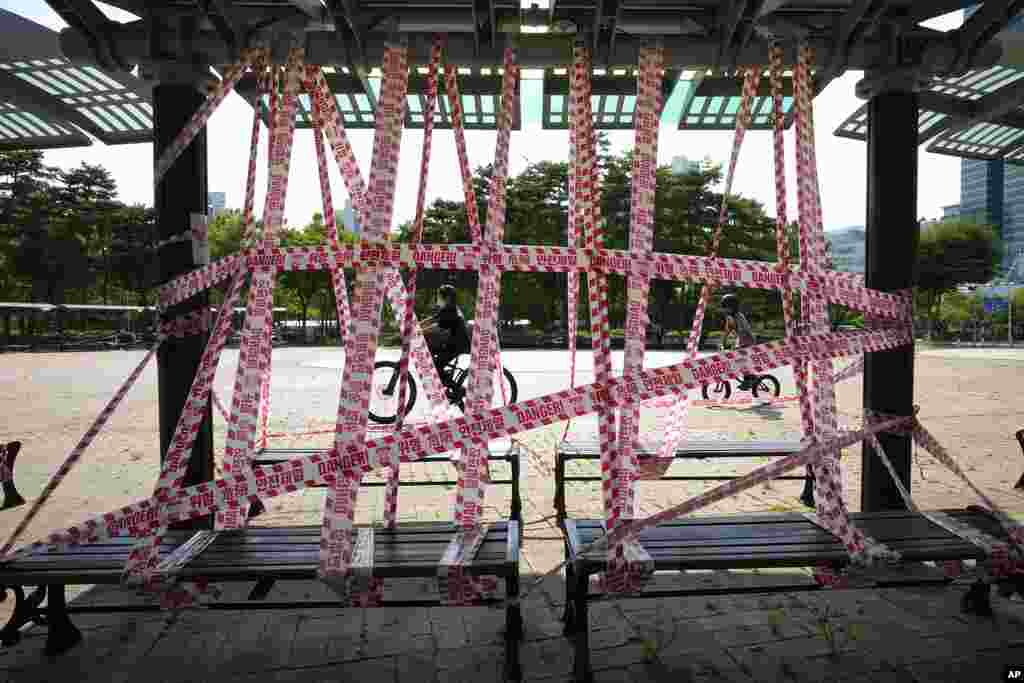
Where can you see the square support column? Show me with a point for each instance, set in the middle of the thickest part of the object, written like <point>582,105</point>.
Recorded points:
<point>180,193</point>
<point>891,257</point>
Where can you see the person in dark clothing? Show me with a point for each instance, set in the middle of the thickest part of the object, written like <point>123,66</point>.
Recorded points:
<point>446,331</point>
<point>737,323</point>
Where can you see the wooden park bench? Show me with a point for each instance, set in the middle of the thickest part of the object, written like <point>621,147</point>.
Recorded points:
<point>264,556</point>
<point>768,541</point>
<point>691,450</point>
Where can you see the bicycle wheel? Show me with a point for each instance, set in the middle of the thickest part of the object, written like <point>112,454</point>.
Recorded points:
<point>766,385</point>
<point>719,391</point>
<point>384,392</point>
<point>511,390</point>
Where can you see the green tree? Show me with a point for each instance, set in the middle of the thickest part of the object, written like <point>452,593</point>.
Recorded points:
<point>951,253</point>
<point>224,233</point>
<point>133,256</point>
<point>25,184</point>
<point>537,213</point>
<point>87,204</point>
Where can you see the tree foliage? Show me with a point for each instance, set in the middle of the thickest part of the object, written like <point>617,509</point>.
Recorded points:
<point>687,208</point>
<point>951,253</point>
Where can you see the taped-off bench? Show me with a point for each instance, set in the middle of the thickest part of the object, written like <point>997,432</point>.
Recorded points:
<point>262,555</point>
<point>768,541</point>
<point>267,555</point>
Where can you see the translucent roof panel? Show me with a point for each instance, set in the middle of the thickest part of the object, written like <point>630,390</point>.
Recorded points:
<point>981,141</point>
<point>613,101</point>
<point>976,84</point>
<point>719,113</point>
<point>23,129</point>
<point>480,95</point>
<point>113,107</point>
<point>855,127</point>
<point>714,102</point>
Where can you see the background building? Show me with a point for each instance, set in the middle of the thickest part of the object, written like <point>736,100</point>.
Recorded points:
<point>847,248</point>
<point>993,192</point>
<point>683,166</point>
<point>348,217</point>
<point>215,203</point>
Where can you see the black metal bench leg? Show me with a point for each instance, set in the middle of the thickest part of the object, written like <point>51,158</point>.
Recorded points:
<point>62,634</point>
<point>581,634</point>
<point>569,615</point>
<point>516,513</point>
<point>513,629</point>
<point>8,454</point>
<point>977,600</point>
<point>26,610</point>
<point>807,497</point>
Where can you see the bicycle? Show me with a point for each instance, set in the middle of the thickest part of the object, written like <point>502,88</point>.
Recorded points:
<point>384,389</point>
<point>766,384</point>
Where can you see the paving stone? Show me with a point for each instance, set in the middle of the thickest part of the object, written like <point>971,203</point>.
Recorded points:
<point>484,626</point>
<point>416,667</point>
<point>540,621</point>
<point>390,646</point>
<point>981,667</point>
<point>382,669</point>
<point>261,641</point>
<point>824,669</point>
<point>788,623</point>
<point>751,657</point>
<point>478,664</point>
<point>695,663</point>
<point>618,657</point>
<point>612,636</point>
<point>390,623</point>
<point>320,641</point>
<point>687,642</point>
<point>448,628</point>
<point>755,635</point>
<point>614,676</point>
<point>545,658</point>
<point>887,645</point>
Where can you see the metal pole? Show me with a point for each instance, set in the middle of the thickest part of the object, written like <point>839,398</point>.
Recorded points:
<point>180,193</point>
<point>891,250</point>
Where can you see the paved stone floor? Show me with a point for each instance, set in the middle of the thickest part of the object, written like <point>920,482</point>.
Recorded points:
<point>909,635</point>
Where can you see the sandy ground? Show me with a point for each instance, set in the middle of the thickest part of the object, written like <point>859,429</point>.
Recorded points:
<point>969,400</point>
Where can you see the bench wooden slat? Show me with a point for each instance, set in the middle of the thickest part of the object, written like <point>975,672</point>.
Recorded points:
<point>784,540</point>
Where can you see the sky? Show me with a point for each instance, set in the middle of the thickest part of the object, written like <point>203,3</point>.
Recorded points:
<point>841,162</point>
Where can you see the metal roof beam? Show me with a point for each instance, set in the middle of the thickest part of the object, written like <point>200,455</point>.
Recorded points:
<point>982,26</point>
<point>344,13</point>
<point>325,47</point>
<point>312,8</point>
<point>87,18</point>
<point>728,21</point>
<point>852,27</point>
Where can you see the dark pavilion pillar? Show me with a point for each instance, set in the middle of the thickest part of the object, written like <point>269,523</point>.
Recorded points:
<point>180,193</point>
<point>891,254</point>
